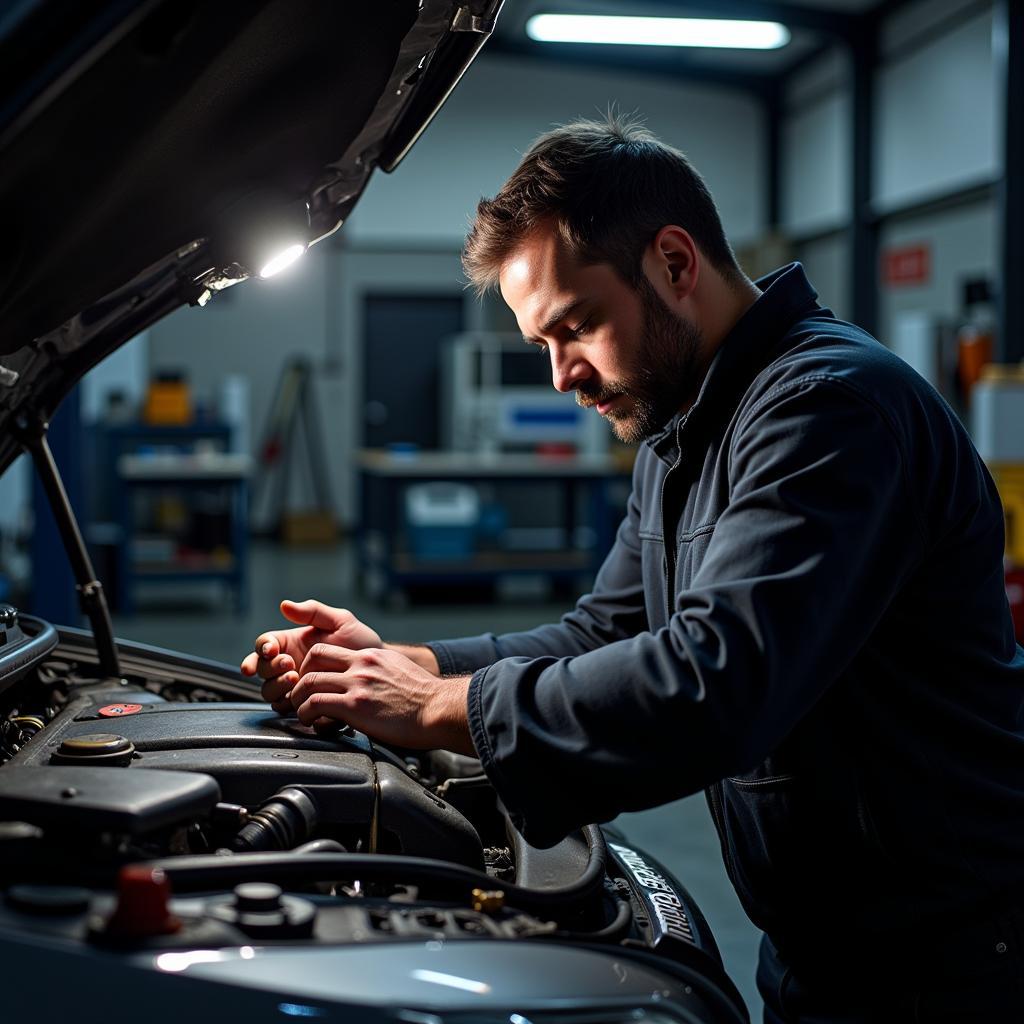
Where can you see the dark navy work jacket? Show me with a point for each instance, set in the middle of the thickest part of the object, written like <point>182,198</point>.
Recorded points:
<point>804,614</point>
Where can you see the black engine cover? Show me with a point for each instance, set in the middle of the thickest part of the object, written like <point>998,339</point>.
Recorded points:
<point>252,753</point>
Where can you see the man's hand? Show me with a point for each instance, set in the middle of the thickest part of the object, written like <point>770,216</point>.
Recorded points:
<point>384,694</point>
<point>278,653</point>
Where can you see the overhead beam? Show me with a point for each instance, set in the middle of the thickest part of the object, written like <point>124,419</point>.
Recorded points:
<point>1009,59</point>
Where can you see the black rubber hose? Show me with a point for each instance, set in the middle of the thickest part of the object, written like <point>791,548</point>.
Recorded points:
<point>615,928</point>
<point>204,872</point>
<point>285,820</point>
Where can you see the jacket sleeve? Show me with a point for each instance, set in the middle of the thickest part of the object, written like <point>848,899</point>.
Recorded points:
<point>614,610</point>
<point>819,533</point>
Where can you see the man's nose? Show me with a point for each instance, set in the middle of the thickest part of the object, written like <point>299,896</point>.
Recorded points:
<point>568,370</point>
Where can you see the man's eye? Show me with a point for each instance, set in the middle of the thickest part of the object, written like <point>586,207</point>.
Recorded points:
<point>581,329</point>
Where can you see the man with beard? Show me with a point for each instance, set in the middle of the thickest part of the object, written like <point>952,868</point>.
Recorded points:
<point>803,612</point>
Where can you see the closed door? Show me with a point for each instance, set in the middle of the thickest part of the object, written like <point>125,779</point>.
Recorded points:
<point>401,362</point>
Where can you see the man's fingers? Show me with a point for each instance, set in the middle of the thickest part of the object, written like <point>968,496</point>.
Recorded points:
<point>326,658</point>
<point>276,690</point>
<point>322,704</point>
<point>317,682</point>
<point>253,663</point>
<point>313,613</point>
<point>265,649</point>
<point>328,726</point>
<point>267,645</point>
<point>282,707</point>
<point>275,667</point>
<point>265,668</point>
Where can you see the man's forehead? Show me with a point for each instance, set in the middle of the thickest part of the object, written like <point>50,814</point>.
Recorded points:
<point>540,258</point>
<point>541,282</point>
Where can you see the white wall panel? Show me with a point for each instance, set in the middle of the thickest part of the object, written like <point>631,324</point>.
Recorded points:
<point>816,166</point>
<point>935,123</point>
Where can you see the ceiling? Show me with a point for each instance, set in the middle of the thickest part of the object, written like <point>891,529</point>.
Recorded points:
<point>813,24</point>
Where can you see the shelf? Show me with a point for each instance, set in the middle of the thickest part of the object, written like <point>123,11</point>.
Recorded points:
<point>142,467</point>
<point>186,468</point>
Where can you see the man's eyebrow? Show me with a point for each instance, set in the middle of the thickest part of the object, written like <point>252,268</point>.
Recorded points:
<point>557,315</point>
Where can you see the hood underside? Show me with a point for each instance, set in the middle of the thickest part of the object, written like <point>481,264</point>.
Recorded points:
<point>134,136</point>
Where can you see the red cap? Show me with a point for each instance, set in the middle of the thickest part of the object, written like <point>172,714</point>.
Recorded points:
<point>142,910</point>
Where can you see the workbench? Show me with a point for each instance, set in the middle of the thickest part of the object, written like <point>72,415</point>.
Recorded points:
<point>592,488</point>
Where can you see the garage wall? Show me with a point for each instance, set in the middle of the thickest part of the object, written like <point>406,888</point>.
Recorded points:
<point>816,183</point>
<point>936,138</point>
<point>935,126</point>
<point>962,243</point>
<point>409,226</point>
<point>816,146</point>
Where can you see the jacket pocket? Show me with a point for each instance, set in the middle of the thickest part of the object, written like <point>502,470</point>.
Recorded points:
<point>762,817</point>
<point>803,849</point>
<point>691,550</point>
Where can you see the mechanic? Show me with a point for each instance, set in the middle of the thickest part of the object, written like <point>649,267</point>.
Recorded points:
<point>824,644</point>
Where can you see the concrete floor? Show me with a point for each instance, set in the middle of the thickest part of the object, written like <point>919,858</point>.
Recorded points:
<point>203,622</point>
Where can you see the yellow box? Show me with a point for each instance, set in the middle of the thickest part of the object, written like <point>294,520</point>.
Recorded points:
<point>167,403</point>
<point>1009,478</point>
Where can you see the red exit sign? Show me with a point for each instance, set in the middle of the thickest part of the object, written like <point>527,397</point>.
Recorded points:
<point>906,265</point>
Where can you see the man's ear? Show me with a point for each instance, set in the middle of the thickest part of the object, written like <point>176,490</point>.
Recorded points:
<point>676,260</point>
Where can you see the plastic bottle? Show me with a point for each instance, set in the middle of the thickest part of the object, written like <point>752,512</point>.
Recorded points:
<point>976,336</point>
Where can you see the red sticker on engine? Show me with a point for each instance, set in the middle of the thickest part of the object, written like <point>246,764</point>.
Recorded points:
<point>117,710</point>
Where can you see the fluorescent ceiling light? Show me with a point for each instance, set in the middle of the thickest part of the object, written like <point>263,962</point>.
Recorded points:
<point>629,31</point>
<point>282,260</point>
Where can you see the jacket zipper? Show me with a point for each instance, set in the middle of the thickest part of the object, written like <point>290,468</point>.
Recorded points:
<point>715,800</point>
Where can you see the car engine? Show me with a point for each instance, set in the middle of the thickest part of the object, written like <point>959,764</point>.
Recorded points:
<point>170,810</point>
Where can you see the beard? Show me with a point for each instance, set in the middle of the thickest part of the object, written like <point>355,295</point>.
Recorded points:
<point>663,377</point>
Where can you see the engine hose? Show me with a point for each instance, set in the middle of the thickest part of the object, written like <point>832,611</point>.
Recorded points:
<point>283,822</point>
<point>202,872</point>
<point>615,928</point>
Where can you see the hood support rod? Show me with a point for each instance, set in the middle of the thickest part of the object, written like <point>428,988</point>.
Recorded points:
<point>31,430</point>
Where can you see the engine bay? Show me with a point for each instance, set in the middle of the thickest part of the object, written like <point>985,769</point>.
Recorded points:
<point>169,809</point>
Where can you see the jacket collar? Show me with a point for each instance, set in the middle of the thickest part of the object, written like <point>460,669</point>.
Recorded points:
<point>755,340</point>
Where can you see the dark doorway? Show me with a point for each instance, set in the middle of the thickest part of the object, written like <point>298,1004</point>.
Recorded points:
<point>401,361</point>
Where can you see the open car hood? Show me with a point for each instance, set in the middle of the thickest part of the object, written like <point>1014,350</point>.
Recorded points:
<point>140,141</point>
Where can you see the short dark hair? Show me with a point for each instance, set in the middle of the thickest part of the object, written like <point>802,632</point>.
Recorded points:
<point>609,186</point>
